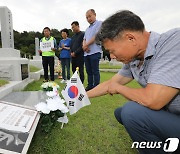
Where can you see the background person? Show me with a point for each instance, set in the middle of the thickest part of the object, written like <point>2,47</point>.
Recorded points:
<point>77,52</point>
<point>48,56</point>
<point>92,51</point>
<point>153,112</point>
<point>64,47</point>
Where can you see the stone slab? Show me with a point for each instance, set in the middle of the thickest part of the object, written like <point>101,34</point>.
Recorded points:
<point>9,52</point>
<point>16,64</point>
<point>27,98</point>
<point>17,142</point>
<point>13,86</point>
<point>24,99</point>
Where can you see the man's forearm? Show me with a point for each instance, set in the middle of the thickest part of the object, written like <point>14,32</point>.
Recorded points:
<point>91,41</point>
<point>153,96</point>
<point>102,89</point>
<point>99,90</point>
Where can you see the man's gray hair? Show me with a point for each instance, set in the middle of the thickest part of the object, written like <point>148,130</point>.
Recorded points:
<point>119,22</point>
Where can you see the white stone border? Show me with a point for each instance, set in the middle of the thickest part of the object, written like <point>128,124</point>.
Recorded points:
<point>14,86</point>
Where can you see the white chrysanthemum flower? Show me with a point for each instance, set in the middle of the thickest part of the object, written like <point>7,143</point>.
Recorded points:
<point>59,100</point>
<point>42,107</point>
<point>64,109</point>
<point>50,84</point>
<point>56,91</point>
<point>56,104</point>
<point>54,88</point>
<point>52,104</point>
<point>51,93</point>
<point>45,85</point>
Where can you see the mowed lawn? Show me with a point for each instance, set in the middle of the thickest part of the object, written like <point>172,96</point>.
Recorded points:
<point>3,82</point>
<point>92,130</point>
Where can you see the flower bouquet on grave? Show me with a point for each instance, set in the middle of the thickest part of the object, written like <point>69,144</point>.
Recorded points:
<point>53,108</point>
<point>48,86</point>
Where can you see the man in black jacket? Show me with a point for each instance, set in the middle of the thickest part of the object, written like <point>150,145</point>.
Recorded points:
<point>77,52</point>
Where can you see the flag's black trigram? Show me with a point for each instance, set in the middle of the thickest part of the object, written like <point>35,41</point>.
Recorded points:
<point>75,94</point>
<point>73,80</point>
<point>71,103</point>
<point>81,96</point>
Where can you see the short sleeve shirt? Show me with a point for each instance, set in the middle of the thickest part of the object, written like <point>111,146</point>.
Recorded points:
<point>161,65</point>
<point>90,32</point>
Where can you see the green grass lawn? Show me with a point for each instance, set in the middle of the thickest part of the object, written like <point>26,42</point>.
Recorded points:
<point>92,130</point>
<point>33,68</point>
<point>109,66</point>
<point>3,82</point>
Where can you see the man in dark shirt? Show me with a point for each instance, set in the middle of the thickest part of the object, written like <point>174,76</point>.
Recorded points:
<point>77,52</point>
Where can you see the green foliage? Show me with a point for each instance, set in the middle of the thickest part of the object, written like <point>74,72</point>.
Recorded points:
<point>48,89</point>
<point>25,41</point>
<point>56,34</point>
<point>34,86</point>
<point>32,49</point>
<point>24,49</point>
<point>3,82</point>
<point>47,121</point>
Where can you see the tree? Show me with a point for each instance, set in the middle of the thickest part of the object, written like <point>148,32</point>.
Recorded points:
<point>56,34</point>
<point>31,50</point>
<point>17,37</point>
<point>25,41</point>
<point>24,51</point>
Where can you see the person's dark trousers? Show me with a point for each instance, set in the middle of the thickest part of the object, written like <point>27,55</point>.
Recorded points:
<point>144,124</point>
<point>65,63</point>
<point>92,69</point>
<point>78,62</point>
<point>48,61</point>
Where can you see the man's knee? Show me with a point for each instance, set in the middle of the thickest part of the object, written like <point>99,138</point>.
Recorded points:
<point>133,112</point>
<point>127,109</point>
<point>117,114</point>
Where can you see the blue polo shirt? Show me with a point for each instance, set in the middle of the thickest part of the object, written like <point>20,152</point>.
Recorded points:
<point>90,32</point>
<point>161,64</point>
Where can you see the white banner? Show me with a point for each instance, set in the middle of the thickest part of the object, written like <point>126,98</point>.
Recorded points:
<point>75,94</point>
<point>16,118</point>
<point>46,46</point>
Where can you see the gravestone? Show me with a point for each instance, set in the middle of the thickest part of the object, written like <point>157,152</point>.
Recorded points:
<point>15,68</point>
<point>37,46</point>
<point>37,59</point>
<point>22,140</point>
<point>7,36</point>
<point>12,67</point>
